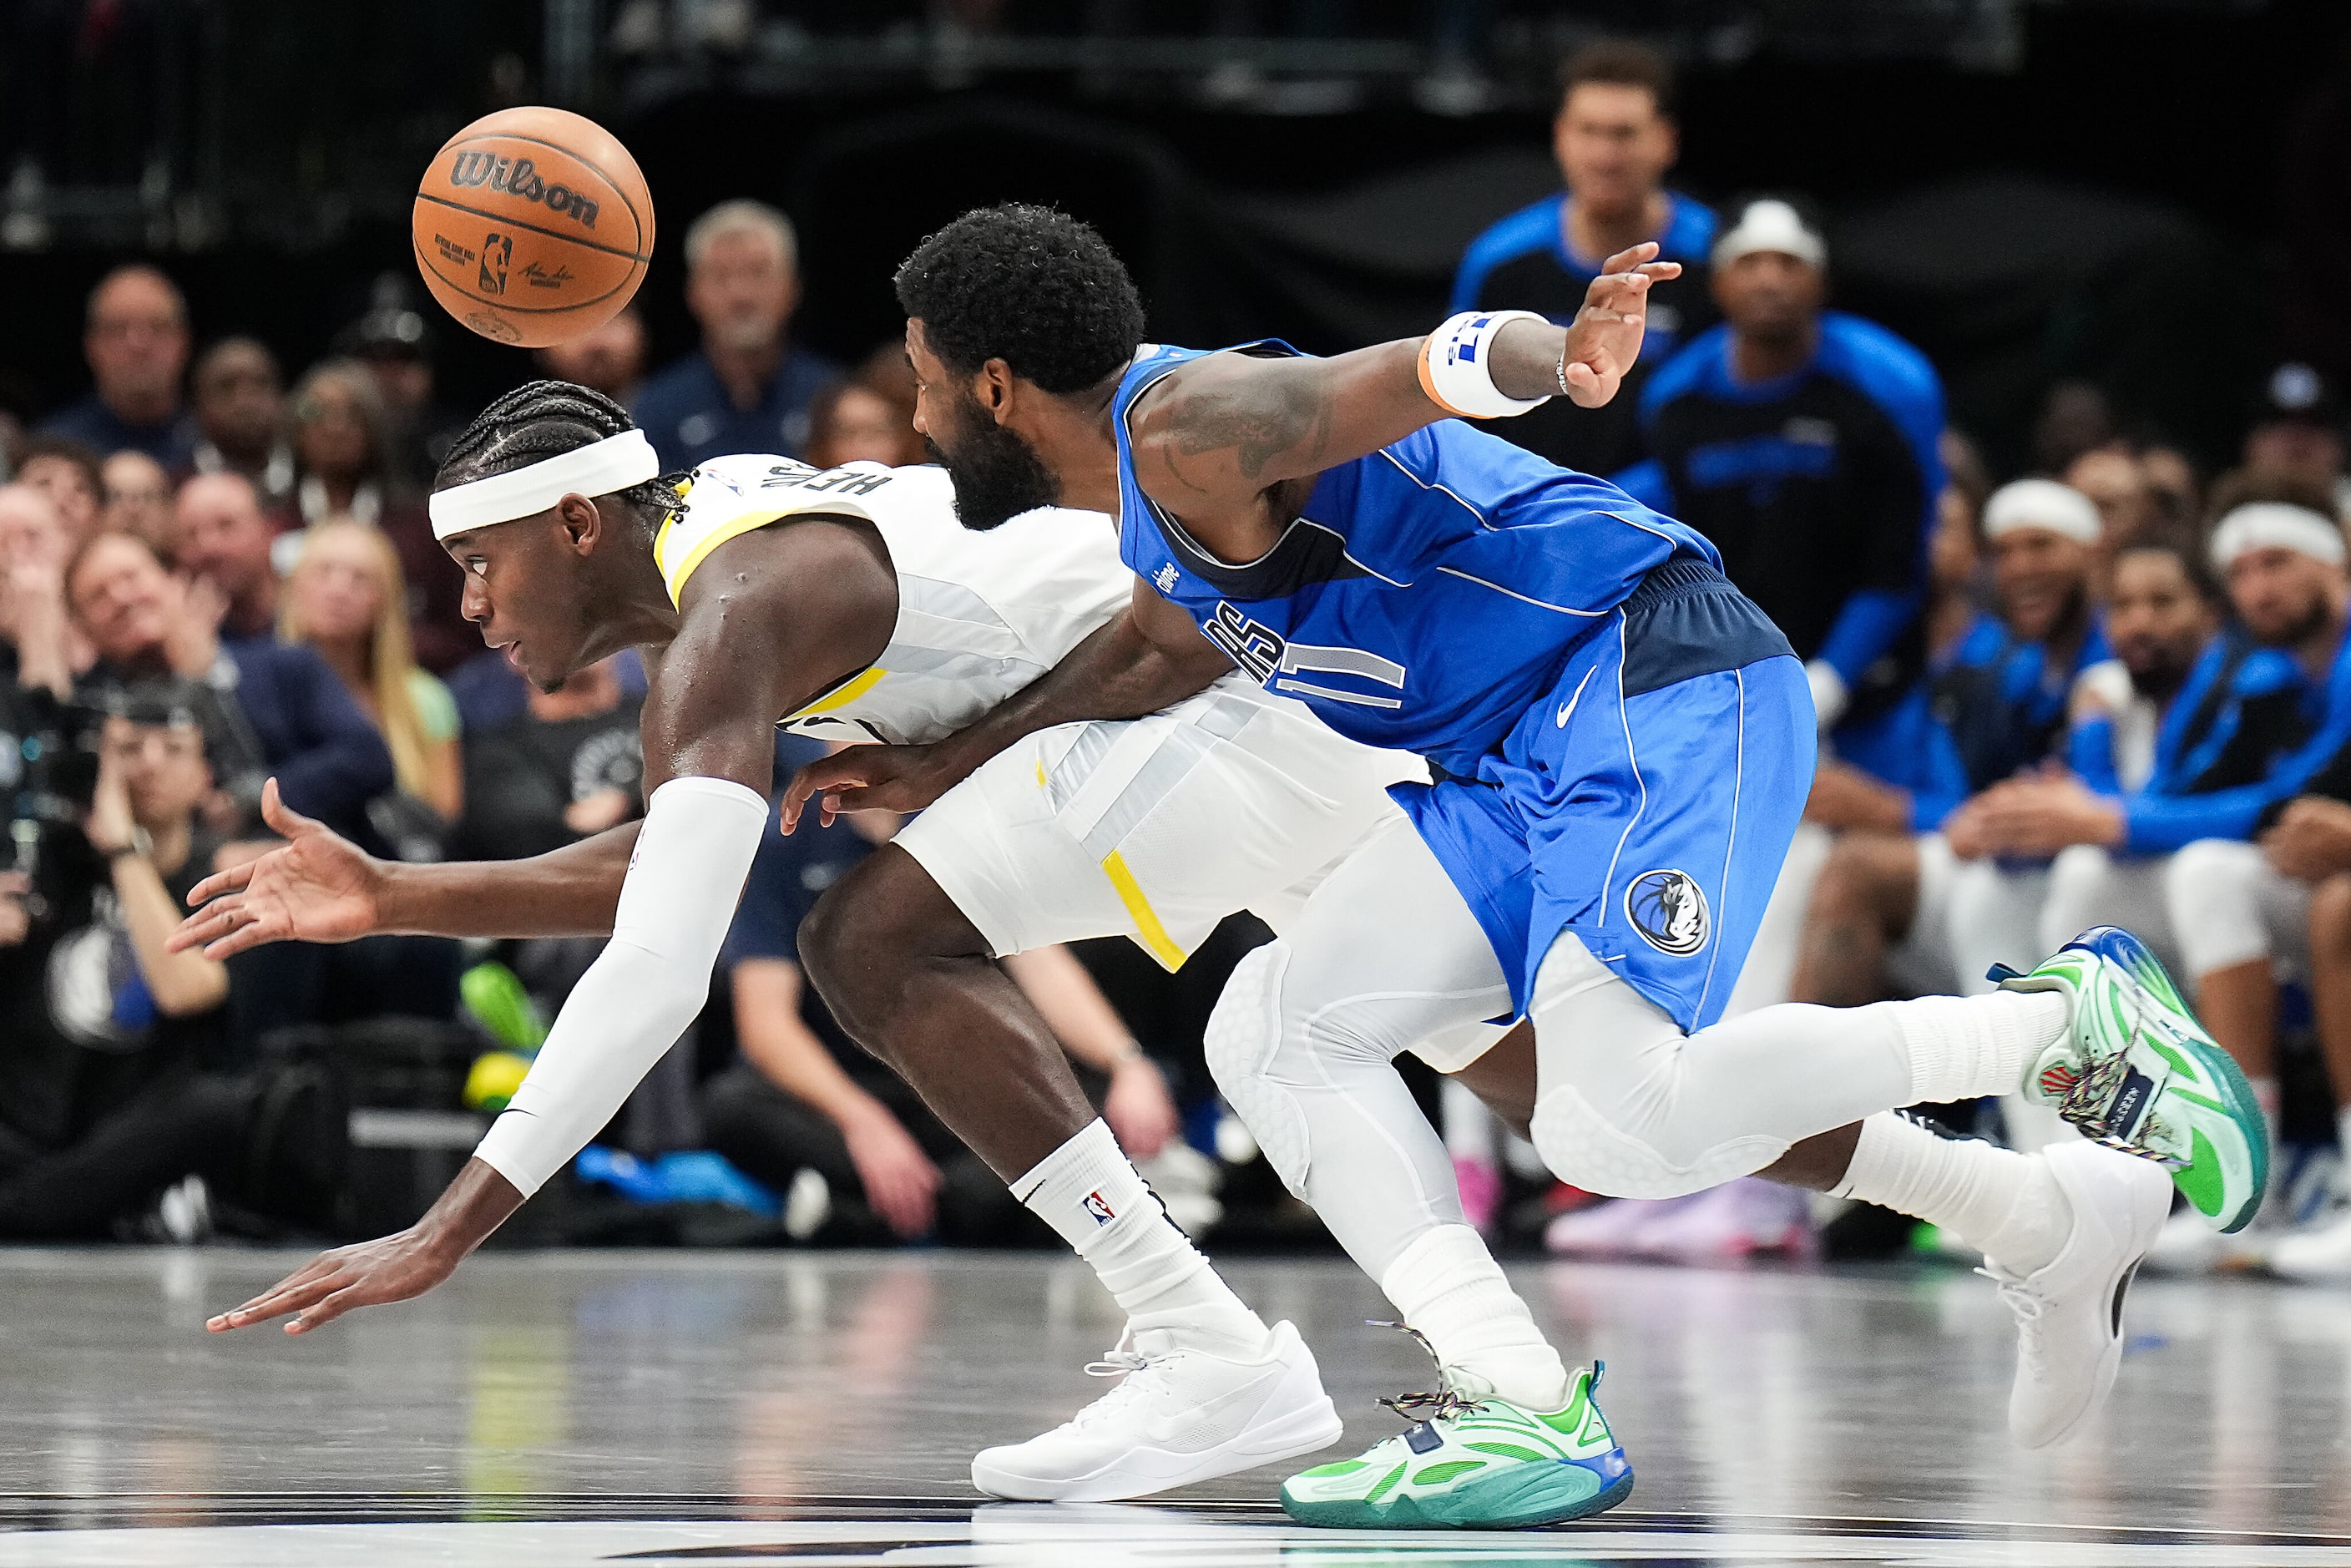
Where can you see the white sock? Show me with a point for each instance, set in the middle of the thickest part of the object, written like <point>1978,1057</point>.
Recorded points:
<point>1448,1285</point>
<point>1088,1192</point>
<point>2004,1204</point>
<point>1963,1047</point>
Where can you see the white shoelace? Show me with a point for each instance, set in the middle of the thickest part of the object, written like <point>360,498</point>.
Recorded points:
<point>1122,1362</point>
<point>2027,1303</point>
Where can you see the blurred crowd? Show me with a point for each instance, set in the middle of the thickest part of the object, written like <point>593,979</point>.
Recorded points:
<point>2115,689</point>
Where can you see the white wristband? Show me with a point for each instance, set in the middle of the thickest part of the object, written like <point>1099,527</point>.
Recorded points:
<point>1457,366</point>
<point>1829,693</point>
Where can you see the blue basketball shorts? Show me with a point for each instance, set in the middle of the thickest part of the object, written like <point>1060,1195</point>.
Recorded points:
<point>1645,805</point>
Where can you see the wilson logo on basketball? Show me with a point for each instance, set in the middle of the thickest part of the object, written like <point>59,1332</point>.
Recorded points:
<point>519,177</point>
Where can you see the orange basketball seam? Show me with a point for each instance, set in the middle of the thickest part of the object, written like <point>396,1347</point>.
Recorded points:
<point>614,185</point>
<point>425,263</point>
<point>520,223</point>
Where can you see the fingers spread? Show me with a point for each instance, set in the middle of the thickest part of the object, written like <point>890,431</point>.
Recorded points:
<point>234,880</point>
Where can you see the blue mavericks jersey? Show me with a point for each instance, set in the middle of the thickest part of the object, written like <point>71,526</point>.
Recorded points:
<point>1427,595</point>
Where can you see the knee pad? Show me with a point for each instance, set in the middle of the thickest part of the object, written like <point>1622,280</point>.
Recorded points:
<point>1583,1149</point>
<point>1243,1034</point>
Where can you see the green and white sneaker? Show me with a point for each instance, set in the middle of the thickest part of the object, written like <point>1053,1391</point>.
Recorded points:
<point>1473,1463</point>
<point>2137,1072</point>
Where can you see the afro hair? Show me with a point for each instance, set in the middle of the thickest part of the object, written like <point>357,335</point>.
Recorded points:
<point>1028,286</point>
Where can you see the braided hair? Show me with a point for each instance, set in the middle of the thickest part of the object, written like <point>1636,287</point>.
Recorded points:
<point>545,419</point>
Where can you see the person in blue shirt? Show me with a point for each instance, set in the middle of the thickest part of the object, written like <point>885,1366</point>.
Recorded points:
<point>1878,917</point>
<point>1623,745</point>
<point>1614,138</point>
<point>1803,442</point>
<point>748,388</point>
<point>136,341</point>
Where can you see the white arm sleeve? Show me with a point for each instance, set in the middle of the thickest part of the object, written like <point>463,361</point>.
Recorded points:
<point>639,995</point>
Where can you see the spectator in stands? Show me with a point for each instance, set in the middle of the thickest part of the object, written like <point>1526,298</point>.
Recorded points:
<point>267,709</point>
<point>240,405</point>
<point>344,597</point>
<point>36,644</point>
<point>2129,510</point>
<point>342,439</point>
<point>2182,715</point>
<point>848,421</point>
<point>68,473</point>
<point>1614,137</point>
<point>568,766</point>
<point>748,388</point>
<point>136,341</point>
<point>2297,433</point>
<point>136,498</point>
<point>393,342</point>
<point>1878,920</point>
<point>805,1098</point>
<point>2235,910</point>
<point>1805,443</point>
<point>2076,417</point>
<point>104,1035</point>
<point>609,358</point>
<point>222,538</point>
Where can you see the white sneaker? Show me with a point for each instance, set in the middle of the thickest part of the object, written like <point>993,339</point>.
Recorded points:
<point>2069,1312</point>
<point>1182,1414</point>
<point>2319,1250</point>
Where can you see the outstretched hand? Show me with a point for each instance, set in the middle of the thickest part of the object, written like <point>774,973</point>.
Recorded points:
<point>316,887</point>
<point>1605,338</point>
<point>868,778</point>
<point>371,1273</point>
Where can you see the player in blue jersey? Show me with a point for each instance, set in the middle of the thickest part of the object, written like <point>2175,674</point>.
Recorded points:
<point>1624,744</point>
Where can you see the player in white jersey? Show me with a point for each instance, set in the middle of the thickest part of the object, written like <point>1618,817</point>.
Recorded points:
<point>851,603</point>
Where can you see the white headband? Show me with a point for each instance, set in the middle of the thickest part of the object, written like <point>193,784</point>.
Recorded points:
<point>2276,524</point>
<point>1770,226</point>
<point>596,469</point>
<point>2042,504</point>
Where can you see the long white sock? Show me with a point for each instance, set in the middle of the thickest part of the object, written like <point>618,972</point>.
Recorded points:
<point>1088,1192</point>
<point>1963,1047</point>
<point>2002,1202</point>
<point>1448,1285</point>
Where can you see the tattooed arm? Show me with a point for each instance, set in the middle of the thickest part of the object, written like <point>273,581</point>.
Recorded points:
<point>1214,437</point>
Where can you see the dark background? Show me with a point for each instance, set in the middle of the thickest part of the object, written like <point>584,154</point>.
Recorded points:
<point>2150,196</point>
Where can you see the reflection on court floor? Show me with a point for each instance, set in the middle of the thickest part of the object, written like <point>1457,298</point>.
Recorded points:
<point>695,1409</point>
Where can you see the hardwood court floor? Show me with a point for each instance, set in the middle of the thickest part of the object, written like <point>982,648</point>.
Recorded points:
<point>592,1407</point>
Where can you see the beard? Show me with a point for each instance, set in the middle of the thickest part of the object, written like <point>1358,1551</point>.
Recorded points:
<point>997,475</point>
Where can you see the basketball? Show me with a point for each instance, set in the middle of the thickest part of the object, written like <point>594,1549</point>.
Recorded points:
<point>533,226</point>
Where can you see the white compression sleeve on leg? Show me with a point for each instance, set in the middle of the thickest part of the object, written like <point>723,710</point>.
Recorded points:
<point>651,978</point>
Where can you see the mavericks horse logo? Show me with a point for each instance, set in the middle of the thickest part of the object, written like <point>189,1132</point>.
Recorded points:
<point>1668,909</point>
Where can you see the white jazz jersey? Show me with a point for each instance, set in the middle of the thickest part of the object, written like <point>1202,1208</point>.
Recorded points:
<point>980,615</point>
<point>1155,828</point>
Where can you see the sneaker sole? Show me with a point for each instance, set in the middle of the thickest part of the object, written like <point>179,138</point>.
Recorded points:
<point>1141,1471</point>
<point>1516,1499</point>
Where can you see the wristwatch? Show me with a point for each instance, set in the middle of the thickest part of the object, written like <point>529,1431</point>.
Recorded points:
<point>142,844</point>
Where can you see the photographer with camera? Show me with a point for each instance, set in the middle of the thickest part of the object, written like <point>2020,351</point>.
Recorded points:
<point>112,1088</point>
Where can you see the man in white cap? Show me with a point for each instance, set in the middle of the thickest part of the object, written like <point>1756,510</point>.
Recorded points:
<point>1803,442</point>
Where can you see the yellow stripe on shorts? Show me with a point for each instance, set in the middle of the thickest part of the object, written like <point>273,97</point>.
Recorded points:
<point>842,695</point>
<point>1147,929</point>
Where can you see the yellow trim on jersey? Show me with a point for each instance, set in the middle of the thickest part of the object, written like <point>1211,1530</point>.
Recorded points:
<point>733,527</point>
<point>1148,931</point>
<point>842,695</point>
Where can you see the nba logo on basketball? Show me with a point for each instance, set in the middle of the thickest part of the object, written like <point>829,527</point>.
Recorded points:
<point>497,250</point>
<point>1099,1208</point>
